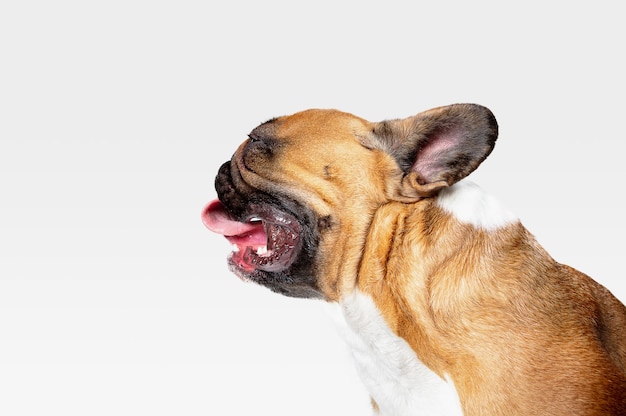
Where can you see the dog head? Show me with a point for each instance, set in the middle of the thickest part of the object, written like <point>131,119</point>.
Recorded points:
<point>297,197</point>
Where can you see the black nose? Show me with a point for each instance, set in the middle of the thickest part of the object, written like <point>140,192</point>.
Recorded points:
<point>222,178</point>
<point>232,191</point>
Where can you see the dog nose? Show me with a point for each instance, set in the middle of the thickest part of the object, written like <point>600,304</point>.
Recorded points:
<point>224,170</point>
<point>223,179</point>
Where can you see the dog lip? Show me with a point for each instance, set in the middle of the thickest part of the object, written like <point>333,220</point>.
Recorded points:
<point>267,240</point>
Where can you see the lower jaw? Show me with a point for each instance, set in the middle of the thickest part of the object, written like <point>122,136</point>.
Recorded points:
<point>245,275</point>
<point>248,262</point>
<point>245,271</point>
<point>239,267</point>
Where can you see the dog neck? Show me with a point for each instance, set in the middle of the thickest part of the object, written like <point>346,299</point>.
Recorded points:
<point>472,307</point>
<point>431,306</point>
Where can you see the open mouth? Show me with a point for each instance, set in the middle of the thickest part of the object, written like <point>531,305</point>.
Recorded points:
<point>266,239</point>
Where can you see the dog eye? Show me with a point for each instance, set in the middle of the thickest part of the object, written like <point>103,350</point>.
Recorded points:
<point>260,144</point>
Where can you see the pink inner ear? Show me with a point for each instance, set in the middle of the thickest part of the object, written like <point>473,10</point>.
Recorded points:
<point>427,162</point>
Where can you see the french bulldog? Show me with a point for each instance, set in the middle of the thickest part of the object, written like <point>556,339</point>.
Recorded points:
<point>450,305</point>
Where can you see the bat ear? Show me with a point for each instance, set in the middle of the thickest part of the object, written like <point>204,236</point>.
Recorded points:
<point>436,148</point>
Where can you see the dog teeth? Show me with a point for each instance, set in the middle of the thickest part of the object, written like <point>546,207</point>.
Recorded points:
<point>235,248</point>
<point>261,250</point>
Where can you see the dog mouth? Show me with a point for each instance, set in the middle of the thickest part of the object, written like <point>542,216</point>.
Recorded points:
<point>266,239</point>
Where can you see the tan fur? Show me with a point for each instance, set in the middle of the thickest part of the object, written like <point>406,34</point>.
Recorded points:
<point>334,175</point>
<point>473,320</point>
<point>517,332</point>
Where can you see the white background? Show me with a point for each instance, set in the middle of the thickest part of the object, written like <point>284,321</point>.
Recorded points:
<point>115,115</point>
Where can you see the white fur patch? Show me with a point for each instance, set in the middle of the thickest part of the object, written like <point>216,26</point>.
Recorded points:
<point>397,380</point>
<point>467,202</point>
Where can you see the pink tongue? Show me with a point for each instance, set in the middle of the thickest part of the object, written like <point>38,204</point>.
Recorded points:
<point>216,218</point>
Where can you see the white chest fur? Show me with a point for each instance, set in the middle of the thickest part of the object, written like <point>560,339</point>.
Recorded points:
<point>394,376</point>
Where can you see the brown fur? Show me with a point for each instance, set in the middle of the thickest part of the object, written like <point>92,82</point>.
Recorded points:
<point>520,334</point>
<point>517,332</point>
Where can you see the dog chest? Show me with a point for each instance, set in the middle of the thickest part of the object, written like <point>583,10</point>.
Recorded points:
<point>394,376</point>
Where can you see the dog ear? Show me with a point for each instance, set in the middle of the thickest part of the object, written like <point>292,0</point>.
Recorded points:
<point>436,148</point>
